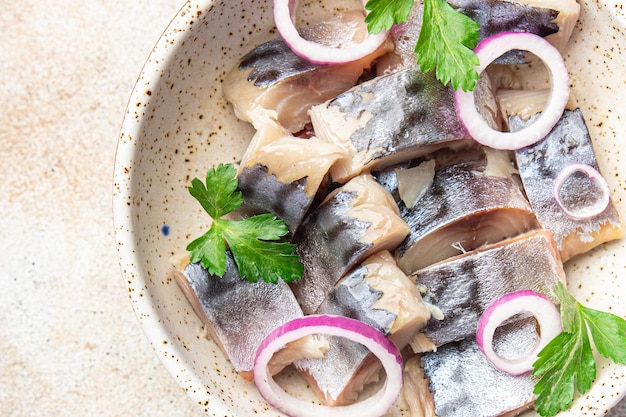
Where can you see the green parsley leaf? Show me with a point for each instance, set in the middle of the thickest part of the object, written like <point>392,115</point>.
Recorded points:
<point>567,361</point>
<point>608,332</point>
<point>254,241</point>
<point>384,13</point>
<point>221,199</point>
<point>254,253</point>
<point>210,250</point>
<point>569,309</point>
<point>446,42</point>
<point>566,364</point>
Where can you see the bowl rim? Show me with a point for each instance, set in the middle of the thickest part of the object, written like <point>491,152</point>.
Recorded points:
<point>161,341</point>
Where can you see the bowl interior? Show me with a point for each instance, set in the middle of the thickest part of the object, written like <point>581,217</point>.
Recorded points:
<point>177,125</point>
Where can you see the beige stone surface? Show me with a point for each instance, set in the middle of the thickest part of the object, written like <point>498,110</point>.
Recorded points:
<point>69,341</point>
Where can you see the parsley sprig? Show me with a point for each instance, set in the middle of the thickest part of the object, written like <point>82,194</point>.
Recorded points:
<point>446,41</point>
<point>567,364</point>
<point>384,13</point>
<point>253,241</point>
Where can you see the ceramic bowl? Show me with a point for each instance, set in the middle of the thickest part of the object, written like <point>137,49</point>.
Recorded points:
<point>177,125</point>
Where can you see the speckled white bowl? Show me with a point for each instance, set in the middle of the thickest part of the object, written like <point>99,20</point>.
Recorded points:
<point>177,125</point>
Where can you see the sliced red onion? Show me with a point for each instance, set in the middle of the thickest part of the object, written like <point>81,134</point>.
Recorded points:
<point>548,319</point>
<point>352,329</point>
<point>284,18</point>
<point>490,49</point>
<point>589,211</point>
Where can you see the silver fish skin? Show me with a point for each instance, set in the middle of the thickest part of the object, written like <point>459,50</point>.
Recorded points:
<point>271,82</point>
<point>464,286</point>
<point>263,193</point>
<point>495,16</point>
<point>463,383</point>
<point>282,174</point>
<point>381,122</point>
<point>539,165</point>
<point>353,297</point>
<point>468,204</point>
<point>378,293</point>
<point>218,303</point>
<point>355,221</point>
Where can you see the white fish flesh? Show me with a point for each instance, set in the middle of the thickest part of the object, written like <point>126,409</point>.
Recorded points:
<point>415,392</point>
<point>566,19</point>
<point>378,293</point>
<point>281,174</point>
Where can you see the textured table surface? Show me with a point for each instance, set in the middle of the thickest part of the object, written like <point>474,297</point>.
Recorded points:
<point>70,343</point>
<point>69,340</point>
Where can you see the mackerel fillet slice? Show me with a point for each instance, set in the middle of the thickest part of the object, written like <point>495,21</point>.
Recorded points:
<point>540,164</point>
<point>463,383</point>
<point>387,120</point>
<point>464,286</point>
<point>378,293</point>
<point>469,204</point>
<point>230,308</point>
<point>271,82</point>
<point>355,221</point>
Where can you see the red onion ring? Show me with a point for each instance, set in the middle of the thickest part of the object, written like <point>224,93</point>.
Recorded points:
<point>284,17</point>
<point>490,49</point>
<point>355,330</point>
<point>546,313</point>
<point>594,176</point>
